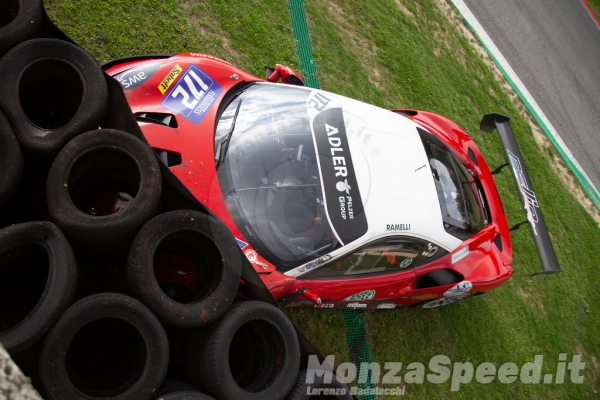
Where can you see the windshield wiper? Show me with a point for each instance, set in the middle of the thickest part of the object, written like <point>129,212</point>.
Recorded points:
<point>222,147</point>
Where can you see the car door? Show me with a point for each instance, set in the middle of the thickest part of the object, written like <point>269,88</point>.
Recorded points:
<point>377,272</point>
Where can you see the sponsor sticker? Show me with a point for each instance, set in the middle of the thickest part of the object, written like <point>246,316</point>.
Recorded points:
<point>340,186</point>
<point>424,296</point>
<point>386,306</point>
<point>251,255</point>
<point>529,198</point>
<point>193,94</point>
<point>241,243</point>
<point>459,289</point>
<point>365,295</point>
<point>397,227</point>
<point>357,305</point>
<point>169,79</point>
<point>406,262</point>
<point>459,255</point>
<point>134,77</point>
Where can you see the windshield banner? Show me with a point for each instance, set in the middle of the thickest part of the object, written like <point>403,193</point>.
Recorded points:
<point>342,197</point>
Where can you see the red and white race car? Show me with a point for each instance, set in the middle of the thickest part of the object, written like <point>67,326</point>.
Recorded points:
<point>336,203</point>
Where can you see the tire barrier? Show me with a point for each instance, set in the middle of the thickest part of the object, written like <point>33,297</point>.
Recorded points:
<point>20,20</point>
<point>70,156</point>
<point>250,353</point>
<point>185,396</point>
<point>193,259</point>
<point>11,161</point>
<point>105,345</point>
<point>51,91</point>
<point>38,277</point>
<point>103,186</point>
<point>177,390</point>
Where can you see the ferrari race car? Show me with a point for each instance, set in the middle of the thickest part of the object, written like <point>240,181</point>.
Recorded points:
<point>336,203</point>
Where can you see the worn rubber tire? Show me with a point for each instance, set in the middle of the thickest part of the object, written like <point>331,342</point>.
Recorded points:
<point>207,241</point>
<point>20,20</point>
<point>83,318</point>
<point>185,396</point>
<point>11,161</point>
<point>299,391</point>
<point>266,341</point>
<point>51,90</point>
<point>98,156</point>
<point>60,284</point>
<point>171,385</point>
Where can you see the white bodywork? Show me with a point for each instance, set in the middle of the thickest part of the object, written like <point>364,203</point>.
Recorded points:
<point>394,177</point>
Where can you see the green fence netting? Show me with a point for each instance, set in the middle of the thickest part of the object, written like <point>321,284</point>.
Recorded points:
<point>356,340</point>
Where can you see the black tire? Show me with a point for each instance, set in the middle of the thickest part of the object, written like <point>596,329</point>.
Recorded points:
<point>11,161</point>
<point>92,165</point>
<point>33,293</point>
<point>341,391</point>
<point>105,345</point>
<point>20,20</point>
<point>51,91</point>
<point>250,353</point>
<point>185,396</point>
<point>172,385</point>
<point>208,248</point>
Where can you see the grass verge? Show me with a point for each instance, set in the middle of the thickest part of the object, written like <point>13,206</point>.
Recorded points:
<point>399,53</point>
<point>595,6</point>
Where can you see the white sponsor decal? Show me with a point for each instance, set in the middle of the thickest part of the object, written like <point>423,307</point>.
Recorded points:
<point>386,306</point>
<point>530,202</point>
<point>459,255</point>
<point>357,305</point>
<point>459,289</point>
<point>251,256</point>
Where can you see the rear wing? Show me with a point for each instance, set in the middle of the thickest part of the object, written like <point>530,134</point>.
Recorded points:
<point>526,194</point>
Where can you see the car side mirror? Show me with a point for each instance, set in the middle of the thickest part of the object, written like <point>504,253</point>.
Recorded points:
<point>287,75</point>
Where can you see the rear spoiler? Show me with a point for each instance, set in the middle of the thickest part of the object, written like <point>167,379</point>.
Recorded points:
<point>526,194</point>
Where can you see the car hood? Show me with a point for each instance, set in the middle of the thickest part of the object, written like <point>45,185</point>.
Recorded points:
<point>388,167</point>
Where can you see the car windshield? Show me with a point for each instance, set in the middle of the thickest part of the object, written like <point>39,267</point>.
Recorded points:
<point>462,212</point>
<point>269,175</point>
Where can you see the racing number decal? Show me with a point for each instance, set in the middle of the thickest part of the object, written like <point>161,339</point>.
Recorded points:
<point>193,95</point>
<point>319,102</point>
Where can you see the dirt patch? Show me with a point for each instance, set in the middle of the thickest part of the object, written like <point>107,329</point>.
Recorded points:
<point>209,27</point>
<point>363,48</point>
<point>403,8</point>
<point>529,299</point>
<point>557,163</point>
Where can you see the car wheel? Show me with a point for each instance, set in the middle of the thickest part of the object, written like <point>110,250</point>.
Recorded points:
<point>186,267</point>
<point>444,301</point>
<point>38,277</point>
<point>105,345</point>
<point>51,90</point>
<point>103,186</point>
<point>20,20</point>
<point>250,353</point>
<point>11,161</point>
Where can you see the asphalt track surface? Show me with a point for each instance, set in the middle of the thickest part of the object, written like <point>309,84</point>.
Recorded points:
<point>554,48</point>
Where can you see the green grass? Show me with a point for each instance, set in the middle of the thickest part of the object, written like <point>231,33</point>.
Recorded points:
<point>595,6</point>
<point>373,51</point>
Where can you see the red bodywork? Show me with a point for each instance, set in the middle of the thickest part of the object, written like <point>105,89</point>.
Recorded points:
<point>486,266</point>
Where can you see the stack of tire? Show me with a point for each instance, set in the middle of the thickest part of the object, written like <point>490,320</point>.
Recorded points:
<point>112,284</point>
